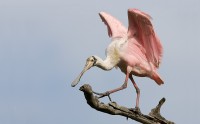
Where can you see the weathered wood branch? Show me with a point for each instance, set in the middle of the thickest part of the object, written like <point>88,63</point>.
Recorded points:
<point>113,108</point>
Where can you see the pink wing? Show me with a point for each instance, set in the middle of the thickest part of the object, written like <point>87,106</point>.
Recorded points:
<point>141,29</point>
<point>115,27</point>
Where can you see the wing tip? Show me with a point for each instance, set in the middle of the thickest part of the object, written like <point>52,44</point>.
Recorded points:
<point>137,11</point>
<point>101,13</point>
<point>103,16</point>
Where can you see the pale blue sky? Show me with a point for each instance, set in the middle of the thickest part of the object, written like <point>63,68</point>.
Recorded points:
<point>44,45</point>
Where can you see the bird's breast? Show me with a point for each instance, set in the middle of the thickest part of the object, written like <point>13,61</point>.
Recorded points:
<point>113,51</point>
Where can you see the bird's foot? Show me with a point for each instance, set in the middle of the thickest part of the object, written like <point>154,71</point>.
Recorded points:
<point>101,95</point>
<point>136,110</point>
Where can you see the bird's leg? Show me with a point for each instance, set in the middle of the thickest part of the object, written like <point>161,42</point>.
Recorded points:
<point>107,93</point>
<point>137,109</point>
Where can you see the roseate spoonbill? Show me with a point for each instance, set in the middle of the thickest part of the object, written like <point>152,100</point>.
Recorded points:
<point>136,50</point>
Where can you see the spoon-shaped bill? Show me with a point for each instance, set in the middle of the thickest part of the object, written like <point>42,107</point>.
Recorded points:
<point>88,65</point>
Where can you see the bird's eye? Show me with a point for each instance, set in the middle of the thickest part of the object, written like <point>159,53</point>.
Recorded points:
<point>92,60</point>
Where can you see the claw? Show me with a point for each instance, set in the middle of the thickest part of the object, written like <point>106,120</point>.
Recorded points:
<point>136,110</point>
<point>101,95</point>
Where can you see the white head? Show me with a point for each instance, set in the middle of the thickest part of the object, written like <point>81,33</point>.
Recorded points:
<point>90,62</point>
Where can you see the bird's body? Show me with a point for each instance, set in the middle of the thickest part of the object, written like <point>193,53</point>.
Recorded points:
<point>116,57</point>
<point>136,50</point>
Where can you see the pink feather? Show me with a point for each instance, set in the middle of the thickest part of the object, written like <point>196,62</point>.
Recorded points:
<point>141,29</point>
<point>115,27</point>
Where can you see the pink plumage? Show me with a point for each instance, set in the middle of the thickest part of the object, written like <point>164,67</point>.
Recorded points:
<point>115,27</point>
<point>136,50</point>
<point>141,29</point>
<point>143,47</point>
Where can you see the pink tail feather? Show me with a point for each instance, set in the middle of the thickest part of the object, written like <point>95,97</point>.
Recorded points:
<point>157,78</point>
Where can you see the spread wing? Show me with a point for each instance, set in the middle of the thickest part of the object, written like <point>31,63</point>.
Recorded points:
<point>115,27</point>
<point>141,29</point>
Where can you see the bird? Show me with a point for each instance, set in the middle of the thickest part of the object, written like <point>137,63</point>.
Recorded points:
<point>136,50</point>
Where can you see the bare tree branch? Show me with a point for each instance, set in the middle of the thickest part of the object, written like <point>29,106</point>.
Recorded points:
<point>113,108</point>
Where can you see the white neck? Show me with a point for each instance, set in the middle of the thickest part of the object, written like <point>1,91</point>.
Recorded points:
<point>106,64</point>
